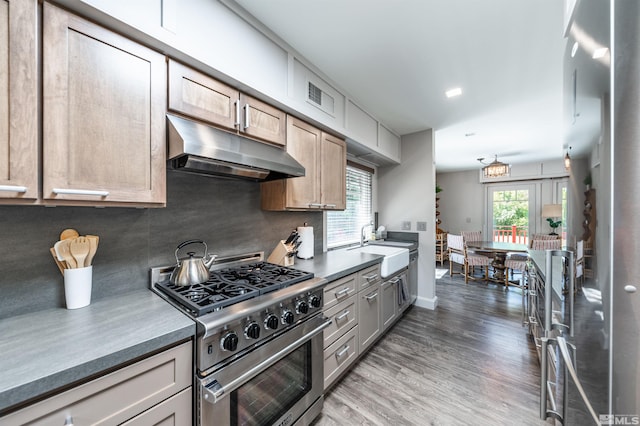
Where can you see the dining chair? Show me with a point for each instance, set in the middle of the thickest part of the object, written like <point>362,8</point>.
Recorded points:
<point>536,237</point>
<point>516,262</point>
<point>471,235</point>
<point>546,244</point>
<point>455,247</point>
<point>458,253</point>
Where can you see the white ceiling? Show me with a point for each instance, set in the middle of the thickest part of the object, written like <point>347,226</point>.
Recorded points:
<point>398,57</point>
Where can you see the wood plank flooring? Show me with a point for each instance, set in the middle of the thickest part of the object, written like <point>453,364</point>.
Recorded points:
<point>469,362</point>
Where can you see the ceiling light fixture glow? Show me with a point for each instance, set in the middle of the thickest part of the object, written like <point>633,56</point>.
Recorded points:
<point>453,92</point>
<point>574,49</point>
<point>599,53</point>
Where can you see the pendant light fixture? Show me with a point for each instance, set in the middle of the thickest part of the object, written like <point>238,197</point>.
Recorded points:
<point>495,169</point>
<point>567,160</point>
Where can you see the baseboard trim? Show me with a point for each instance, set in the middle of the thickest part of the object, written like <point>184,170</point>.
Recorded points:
<point>428,303</point>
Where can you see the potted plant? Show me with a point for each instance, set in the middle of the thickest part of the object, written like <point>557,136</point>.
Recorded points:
<point>587,181</point>
<point>438,189</point>
<point>553,224</point>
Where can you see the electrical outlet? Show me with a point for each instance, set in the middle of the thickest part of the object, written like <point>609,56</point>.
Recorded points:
<point>421,226</point>
<point>406,225</point>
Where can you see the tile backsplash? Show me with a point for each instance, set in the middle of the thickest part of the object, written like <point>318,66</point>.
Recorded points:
<point>224,213</point>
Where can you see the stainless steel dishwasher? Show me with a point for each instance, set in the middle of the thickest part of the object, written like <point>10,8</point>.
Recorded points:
<point>413,275</point>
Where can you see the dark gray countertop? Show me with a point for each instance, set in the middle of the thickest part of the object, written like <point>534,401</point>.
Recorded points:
<point>336,264</point>
<point>47,350</point>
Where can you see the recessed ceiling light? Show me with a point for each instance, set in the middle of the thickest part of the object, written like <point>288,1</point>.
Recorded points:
<point>470,134</point>
<point>599,53</point>
<point>453,92</point>
<point>574,49</point>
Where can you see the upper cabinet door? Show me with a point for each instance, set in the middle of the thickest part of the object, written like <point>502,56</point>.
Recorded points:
<point>303,143</point>
<point>333,173</point>
<point>104,105</point>
<point>18,102</point>
<point>200,96</point>
<point>262,121</point>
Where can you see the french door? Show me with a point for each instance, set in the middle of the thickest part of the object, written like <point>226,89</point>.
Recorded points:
<point>510,212</point>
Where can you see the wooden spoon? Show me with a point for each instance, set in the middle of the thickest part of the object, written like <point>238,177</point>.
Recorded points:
<point>93,247</point>
<point>63,250</point>
<point>69,233</point>
<point>79,248</point>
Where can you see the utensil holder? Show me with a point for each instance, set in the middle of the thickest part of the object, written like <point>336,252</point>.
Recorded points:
<point>77,287</point>
<point>281,255</point>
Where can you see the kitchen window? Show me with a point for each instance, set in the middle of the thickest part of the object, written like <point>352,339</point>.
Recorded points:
<point>343,227</point>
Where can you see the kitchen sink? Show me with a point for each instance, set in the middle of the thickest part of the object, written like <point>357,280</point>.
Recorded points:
<point>395,258</point>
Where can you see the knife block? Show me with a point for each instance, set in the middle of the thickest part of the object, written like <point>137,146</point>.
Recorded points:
<point>282,255</point>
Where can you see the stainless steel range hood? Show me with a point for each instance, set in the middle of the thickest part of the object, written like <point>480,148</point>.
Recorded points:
<point>202,149</point>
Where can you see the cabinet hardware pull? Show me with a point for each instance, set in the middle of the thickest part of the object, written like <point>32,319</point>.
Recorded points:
<point>371,297</point>
<point>330,206</point>
<point>80,192</point>
<point>315,205</point>
<point>237,121</point>
<point>342,292</point>
<point>342,352</point>
<point>247,122</point>
<point>342,316</point>
<point>13,188</point>
<point>371,277</point>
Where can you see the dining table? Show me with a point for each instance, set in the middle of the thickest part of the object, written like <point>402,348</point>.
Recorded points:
<point>499,250</point>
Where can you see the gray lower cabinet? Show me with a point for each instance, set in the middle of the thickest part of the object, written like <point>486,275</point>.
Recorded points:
<point>389,310</point>
<point>155,390</point>
<point>353,305</point>
<point>369,316</point>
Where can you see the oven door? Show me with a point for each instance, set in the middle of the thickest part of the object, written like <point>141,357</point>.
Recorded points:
<point>278,383</point>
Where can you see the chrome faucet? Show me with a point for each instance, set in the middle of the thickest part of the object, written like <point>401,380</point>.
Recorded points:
<point>362,241</point>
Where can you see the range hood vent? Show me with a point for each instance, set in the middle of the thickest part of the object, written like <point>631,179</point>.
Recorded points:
<point>199,148</point>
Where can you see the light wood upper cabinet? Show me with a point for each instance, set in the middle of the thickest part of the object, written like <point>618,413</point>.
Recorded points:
<point>104,105</point>
<point>197,95</point>
<point>333,172</point>
<point>324,158</point>
<point>18,102</point>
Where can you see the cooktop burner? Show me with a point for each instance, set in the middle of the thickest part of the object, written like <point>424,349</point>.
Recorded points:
<point>228,286</point>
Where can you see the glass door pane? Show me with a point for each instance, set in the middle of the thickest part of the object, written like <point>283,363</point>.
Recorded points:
<point>509,208</point>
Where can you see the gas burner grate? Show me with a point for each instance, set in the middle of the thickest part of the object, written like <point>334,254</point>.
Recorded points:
<point>228,286</point>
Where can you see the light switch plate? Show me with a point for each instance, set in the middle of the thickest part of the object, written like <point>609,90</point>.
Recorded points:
<point>406,225</point>
<point>421,226</point>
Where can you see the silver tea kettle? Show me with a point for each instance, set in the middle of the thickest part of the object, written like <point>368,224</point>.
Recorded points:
<point>192,269</point>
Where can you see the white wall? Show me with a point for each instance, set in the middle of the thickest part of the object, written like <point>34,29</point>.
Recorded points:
<point>406,192</point>
<point>461,203</point>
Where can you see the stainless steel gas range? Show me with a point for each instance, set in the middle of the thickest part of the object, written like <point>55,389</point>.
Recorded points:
<point>258,357</point>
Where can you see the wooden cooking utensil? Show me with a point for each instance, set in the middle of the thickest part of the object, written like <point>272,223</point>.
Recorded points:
<point>61,264</point>
<point>79,248</point>
<point>62,249</point>
<point>93,247</point>
<point>69,233</point>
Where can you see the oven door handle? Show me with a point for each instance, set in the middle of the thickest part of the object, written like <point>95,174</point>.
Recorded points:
<point>214,391</point>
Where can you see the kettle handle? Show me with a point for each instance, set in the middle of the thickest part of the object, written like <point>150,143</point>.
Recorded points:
<point>186,243</point>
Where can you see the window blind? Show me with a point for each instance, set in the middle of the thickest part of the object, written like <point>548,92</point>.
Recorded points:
<point>343,227</point>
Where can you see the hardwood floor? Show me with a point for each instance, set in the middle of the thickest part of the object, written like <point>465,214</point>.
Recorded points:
<point>469,362</point>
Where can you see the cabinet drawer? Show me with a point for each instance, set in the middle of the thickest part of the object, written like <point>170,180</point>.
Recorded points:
<point>368,276</point>
<point>116,397</point>
<point>339,356</point>
<point>175,411</point>
<point>344,316</point>
<point>339,290</point>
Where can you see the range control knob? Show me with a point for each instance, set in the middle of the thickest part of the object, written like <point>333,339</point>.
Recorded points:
<point>230,341</point>
<point>302,307</point>
<point>271,322</point>
<point>315,301</point>
<point>252,331</point>
<point>287,317</point>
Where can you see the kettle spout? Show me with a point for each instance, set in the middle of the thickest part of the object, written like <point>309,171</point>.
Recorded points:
<point>209,263</point>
